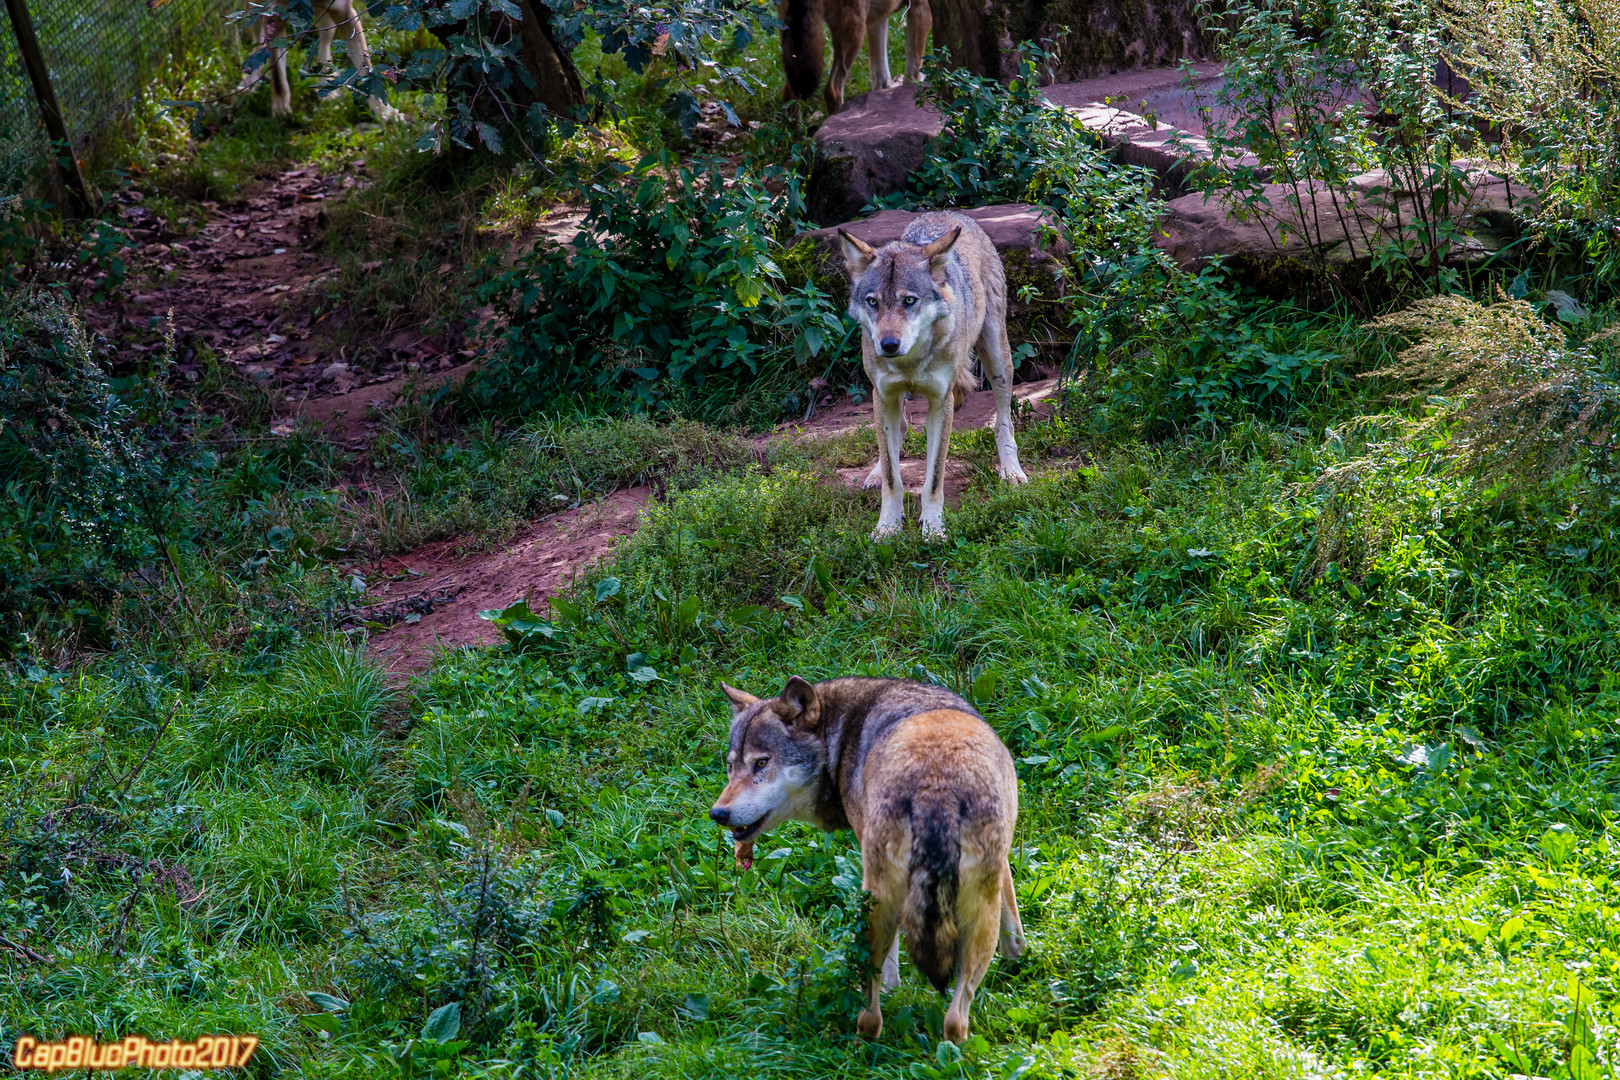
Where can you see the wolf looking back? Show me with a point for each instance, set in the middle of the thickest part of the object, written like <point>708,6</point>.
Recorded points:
<point>932,796</point>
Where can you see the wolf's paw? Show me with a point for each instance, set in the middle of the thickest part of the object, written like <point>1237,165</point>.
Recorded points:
<point>885,532</point>
<point>873,478</point>
<point>933,531</point>
<point>870,1023</point>
<point>1014,475</point>
<point>384,112</point>
<point>1011,946</point>
<point>956,1027</point>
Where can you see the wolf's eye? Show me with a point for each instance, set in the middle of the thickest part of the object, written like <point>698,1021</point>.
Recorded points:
<point>910,300</point>
<point>760,763</point>
<point>871,301</point>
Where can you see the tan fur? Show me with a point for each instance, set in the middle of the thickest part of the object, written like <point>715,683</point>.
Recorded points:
<point>851,20</point>
<point>932,796</point>
<point>943,754</point>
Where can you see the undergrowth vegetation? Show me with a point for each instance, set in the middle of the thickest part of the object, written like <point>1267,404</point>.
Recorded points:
<point>1304,636</point>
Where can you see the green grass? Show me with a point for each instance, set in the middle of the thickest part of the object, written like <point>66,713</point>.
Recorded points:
<point>1317,742</point>
<point>1278,818</point>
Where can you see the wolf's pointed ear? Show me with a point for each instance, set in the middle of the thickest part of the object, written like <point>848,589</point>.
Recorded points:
<point>798,704</point>
<point>940,250</point>
<point>740,699</point>
<point>858,254</point>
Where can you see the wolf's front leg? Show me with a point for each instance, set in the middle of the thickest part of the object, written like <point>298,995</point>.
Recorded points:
<point>890,421</point>
<point>941,413</point>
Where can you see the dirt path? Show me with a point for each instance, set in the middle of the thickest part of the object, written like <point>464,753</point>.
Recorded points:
<point>247,287</point>
<point>446,590</point>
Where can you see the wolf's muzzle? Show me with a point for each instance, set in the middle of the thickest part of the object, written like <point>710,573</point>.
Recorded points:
<point>720,814</point>
<point>890,346</point>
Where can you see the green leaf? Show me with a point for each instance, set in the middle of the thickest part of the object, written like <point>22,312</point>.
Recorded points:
<point>556,819</point>
<point>1559,843</point>
<point>569,611</point>
<point>606,589</point>
<point>984,687</point>
<point>443,1023</point>
<point>326,1002</point>
<point>321,1021</point>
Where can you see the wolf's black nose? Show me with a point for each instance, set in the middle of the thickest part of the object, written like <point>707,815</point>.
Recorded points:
<point>890,345</point>
<point>720,814</point>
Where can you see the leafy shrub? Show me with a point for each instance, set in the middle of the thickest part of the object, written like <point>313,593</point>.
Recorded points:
<point>86,501</point>
<point>1315,97</point>
<point>1546,77</point>
<point>673,285</point>
<point>1005,143</point>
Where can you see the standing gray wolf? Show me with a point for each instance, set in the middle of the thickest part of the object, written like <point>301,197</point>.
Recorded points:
<point>924,302</point>
<point>803,45</point>
<point>932,796</point>
<point>331,16</point>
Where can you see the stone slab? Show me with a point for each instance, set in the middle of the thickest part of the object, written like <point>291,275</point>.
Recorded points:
<point>1345,226</point>
<point>1010,226</point>
<point>868,149</point>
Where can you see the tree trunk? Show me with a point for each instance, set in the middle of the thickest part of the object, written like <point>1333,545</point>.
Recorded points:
<point>1102,36</point>
<point>557,84</point>
<point>556,81</point>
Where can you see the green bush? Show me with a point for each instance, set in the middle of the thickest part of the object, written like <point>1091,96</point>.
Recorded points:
<point>672,295</point>
<point>85,501</point>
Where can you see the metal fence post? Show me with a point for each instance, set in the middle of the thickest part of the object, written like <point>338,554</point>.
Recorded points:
<point>40,76</point>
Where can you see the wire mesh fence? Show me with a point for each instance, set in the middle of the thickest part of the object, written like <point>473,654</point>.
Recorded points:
<point>101,55</point>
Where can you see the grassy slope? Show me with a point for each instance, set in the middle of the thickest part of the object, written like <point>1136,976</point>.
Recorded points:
<point>1234,860</point>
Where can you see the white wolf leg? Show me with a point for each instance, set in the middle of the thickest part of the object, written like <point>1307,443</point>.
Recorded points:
<point>342,16</point>
<point>891,965</point>
<point>1011,942</point>
<point>890,419</point>
<point>919,20</point>
<point>877,45</point>
<point>940,415</point>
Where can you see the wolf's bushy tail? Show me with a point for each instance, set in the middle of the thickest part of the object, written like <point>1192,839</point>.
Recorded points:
<point>928,913</point>
<point>802,46</point>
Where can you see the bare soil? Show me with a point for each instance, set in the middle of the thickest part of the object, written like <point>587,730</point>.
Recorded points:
<point>453,585</point>
<point>536,564</point>
<point>249,286</point>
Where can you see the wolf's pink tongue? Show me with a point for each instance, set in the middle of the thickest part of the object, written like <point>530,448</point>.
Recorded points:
<point>744,850</point>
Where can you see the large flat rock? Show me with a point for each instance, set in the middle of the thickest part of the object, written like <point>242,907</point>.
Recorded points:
<point>1146,117</point>
<point>868,149</point>
<point>1010,226</point>
<point>1153,118</point>
<point>1343,226</point>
